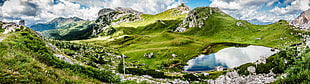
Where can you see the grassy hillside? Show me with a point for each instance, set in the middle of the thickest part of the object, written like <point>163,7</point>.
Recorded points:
<point>25,58</point>
<point>171,14</point>
<point>155,35</point>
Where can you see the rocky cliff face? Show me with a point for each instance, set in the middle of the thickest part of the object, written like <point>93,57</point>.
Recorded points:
<point>108,17</point>
<point>303,20</point>
<point>196,18</point>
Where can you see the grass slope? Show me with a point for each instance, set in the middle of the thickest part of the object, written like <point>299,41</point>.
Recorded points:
<point>25,58</point>
<point>155,35</point>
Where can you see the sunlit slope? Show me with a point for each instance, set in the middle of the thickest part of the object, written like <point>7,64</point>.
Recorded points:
<point>156,35</point>
<point>26,58</point>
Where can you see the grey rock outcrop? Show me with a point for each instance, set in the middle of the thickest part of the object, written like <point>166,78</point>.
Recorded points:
<point>64,58</point>
<point>108,17</point>
<point>181,9</point>
<point>251,69</point>
<point>10,27</point>
<point>196,18</point>
<point>149,55</point>
<point>239,23</point>
<point>234,78</point>
<point>303,20</point>
<point>180,29</point>
<point>262,59</point>
<point>128,10</point>
<point>105,11</point>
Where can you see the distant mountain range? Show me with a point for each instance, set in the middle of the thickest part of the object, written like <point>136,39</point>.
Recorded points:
<point>56,23</point>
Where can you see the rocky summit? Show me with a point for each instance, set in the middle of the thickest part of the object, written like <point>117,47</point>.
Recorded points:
<point>196,18</point>
<point>108,17</point>
<point>303,20</point>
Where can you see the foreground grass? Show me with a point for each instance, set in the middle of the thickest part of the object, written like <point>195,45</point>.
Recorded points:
<point>26,59</point>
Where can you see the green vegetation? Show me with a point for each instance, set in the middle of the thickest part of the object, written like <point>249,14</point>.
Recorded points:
<point>155,35</point>
<point>96,56</point>
<point>298,71</point>
<point>171,14</point>
<point>25,58</point>
<point>1,30</point>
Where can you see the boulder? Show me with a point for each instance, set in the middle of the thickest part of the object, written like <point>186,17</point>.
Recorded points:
<point>239,23</point>
<point>149,55</point>
<point>251,69</point>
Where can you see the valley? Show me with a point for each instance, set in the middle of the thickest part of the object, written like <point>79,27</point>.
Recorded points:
<point>125,46</point>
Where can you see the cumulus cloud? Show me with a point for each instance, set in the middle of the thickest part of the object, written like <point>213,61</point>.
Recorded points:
<point>262,10</point>
<point>38,11</point>
<point>146,6</point>
<point>298,5</point>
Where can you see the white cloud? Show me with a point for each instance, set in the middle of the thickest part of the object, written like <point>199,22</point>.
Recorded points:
<point>146,6</point>
<point>36,11</point>
<point>272,2</point>
<point>298,5</point>
<point>254,10</point>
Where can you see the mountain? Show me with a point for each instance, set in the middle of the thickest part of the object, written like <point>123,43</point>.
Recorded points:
<point>70,31</point>
<point>186,33</point>
<point>56,23</point>
<point>75,28</point>
<point>303,20</point>
<point>65,28</point>
<point>166,41</point>
<point>126,46</point>
<point>108,17</point>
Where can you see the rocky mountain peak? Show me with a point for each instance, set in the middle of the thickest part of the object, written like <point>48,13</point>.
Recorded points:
<point>196,17</point>
<point>303,20</point>
<point>128,10</point>
<point>64,20</point>
<point>183,7</point>
<point>105,11</point>
<point>108,17</point>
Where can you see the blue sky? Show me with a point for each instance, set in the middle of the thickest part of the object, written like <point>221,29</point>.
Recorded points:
<point>254,11</point>
<point>197,3</point>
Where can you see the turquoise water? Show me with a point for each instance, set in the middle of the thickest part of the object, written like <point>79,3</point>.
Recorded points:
<point>228,58</point>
